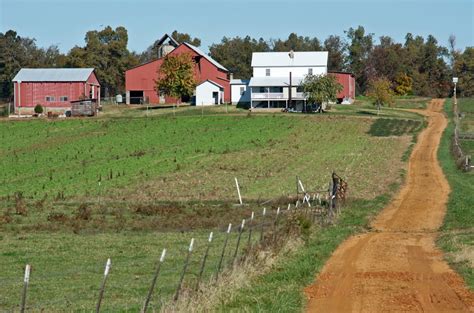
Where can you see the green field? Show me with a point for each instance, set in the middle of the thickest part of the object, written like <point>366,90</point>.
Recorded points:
<point>457,236</point>
<point>164,179</point>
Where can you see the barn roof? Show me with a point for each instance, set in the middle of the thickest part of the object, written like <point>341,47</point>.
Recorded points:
<point>303,58</point>
<point>53,74</point>
<point>200,52</point>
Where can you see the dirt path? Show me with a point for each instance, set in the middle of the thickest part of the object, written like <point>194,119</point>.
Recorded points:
<point>397,267</point>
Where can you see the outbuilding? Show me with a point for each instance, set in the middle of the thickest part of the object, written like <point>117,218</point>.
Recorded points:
<point>209,93</point>
<point>347,80</point>
<point>53,88</point>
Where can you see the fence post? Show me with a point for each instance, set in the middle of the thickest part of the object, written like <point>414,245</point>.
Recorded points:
<point>102,287</point>
<point>275,224</point>
<point>249,241</point>
<point>241,229</point>
<point>223,250</point>
<point>26,281</point>
<point>204,259</point>
<point>238,190</point>
<point>153,283</point>
<point>186,263</point>
<point>263,223</point>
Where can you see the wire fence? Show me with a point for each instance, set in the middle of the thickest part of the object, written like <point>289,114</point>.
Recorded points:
<point>184,270</point>
<point>463,160</point>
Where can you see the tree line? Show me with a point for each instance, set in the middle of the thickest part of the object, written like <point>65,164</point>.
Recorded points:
<point>419,66</point>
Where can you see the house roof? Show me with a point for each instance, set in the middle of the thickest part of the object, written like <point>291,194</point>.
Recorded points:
<point>212,82</point>
<point>53,75</point>
<point>274,81</point>
<point>171,39</point>
<point>200,52</point>
<point>303,58</point>
<point>239,81</point>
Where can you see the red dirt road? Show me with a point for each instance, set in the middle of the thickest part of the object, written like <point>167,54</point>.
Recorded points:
<point>397,267</point>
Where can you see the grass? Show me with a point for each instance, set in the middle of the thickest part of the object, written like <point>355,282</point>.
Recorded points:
<point>457,235</point>
<point>164,179</point>
<point>281,290</point>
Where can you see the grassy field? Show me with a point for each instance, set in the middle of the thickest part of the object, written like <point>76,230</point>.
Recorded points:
<point>164,179</point>
<point>457,236</point>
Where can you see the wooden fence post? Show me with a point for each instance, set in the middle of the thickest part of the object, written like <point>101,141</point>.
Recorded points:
<point>186,263</point>
<point>249,240</point>
<point>223,251</point>
<point>26,281</point>
<point>204,259</point>
<point>263,223</point>
<point>241,229</point>
<point>153,283</point>
<point>102,287</point>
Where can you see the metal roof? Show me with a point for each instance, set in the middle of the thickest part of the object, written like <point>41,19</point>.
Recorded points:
<point>53,75</point>
<point>239,81</point>
<point>200,52</point>
<point>274,81</point>
<point>303,58</point>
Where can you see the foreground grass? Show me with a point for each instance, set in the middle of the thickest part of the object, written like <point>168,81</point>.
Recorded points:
<point>457,235</point>
<point>281,290</point>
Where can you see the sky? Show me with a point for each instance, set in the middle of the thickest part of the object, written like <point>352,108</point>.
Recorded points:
<point>65,22</point>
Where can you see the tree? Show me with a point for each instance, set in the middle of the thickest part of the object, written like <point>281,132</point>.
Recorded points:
<point>185,37</point>
<point>380,92</point>
<point>385,59</point>
<point>320,88</point>
<point>296,43</point>
<point>236,54</point>
<point>403,84</point>
<point>176,76</point>
<point>359,48</point>
<point>464,69</point>
<point>106,51</point>
<point>336,56</point>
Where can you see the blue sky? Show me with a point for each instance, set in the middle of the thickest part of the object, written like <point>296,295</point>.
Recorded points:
<point>65,22</point>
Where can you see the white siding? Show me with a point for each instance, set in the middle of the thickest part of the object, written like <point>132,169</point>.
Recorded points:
<point>204,93</point>
<point>285,71</point>
<point>236,97</point>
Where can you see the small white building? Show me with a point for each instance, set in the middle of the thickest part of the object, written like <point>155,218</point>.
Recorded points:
<point>239,91</point>
<point>275,72</point>
<point>209,93</point>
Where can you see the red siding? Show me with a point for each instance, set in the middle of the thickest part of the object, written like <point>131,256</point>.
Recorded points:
<point>30,94</point>
<point>347,81</point>
<point>143,77</point>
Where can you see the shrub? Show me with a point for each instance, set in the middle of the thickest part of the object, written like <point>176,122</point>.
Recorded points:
<point>39,109</point>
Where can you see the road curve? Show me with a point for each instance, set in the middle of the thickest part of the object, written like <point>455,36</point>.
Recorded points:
<point>397,267</point>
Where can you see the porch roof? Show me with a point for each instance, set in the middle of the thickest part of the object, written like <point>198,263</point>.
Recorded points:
<point>274,81</point>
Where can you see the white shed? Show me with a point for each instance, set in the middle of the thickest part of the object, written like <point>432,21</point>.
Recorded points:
<point>239,91</point>
<point>209,93</point>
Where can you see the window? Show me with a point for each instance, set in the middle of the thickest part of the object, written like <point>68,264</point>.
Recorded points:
<point>299,89</point>
<point>310,71</point>
<point>276,89</point>
<point>50,99</point>
<point>267,72</point>
<point>63,98</point>
<point>242,90</point>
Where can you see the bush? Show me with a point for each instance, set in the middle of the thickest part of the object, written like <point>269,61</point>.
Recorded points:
<point>38,109</point>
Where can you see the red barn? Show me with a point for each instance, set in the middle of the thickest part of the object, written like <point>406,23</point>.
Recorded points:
<point>53,88</point>
<point>347,80</point>
<point>140,80</point>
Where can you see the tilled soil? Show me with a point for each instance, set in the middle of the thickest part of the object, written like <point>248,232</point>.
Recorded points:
<point>397,267</point>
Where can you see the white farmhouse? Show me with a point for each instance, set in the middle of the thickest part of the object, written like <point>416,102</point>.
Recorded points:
<point>275,72</point>
<point>239,91</point>
<point>209,93</point>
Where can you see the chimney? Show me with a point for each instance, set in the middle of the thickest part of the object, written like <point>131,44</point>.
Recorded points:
<point>231,76</point>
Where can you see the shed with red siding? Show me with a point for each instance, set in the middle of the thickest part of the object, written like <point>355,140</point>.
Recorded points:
<point>347,80</point>
<point>53,88</point>
<point>140,80</point>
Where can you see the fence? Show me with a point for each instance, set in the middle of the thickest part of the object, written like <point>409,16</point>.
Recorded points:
<point>463,161</point>
<point>219,253</point>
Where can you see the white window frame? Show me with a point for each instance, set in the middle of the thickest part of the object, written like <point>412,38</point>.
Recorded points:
<point>242,90</point>
<point>310,71</point>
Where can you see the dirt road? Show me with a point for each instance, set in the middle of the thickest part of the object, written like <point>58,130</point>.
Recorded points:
<point>397,267</point>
